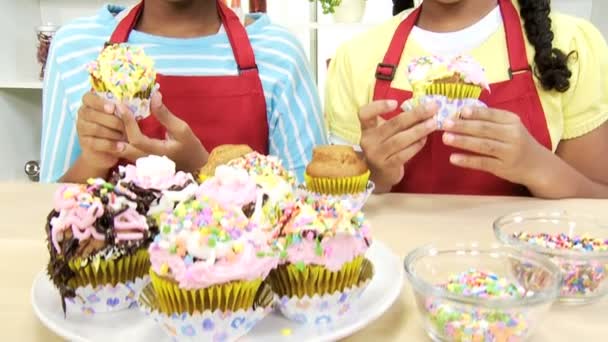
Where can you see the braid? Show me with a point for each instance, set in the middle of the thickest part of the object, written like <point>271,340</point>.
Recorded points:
<point>551,63</point>
<point>401,5</point>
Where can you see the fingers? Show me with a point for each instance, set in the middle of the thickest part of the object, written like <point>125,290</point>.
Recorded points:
<point>407,120</point>
<point>131,153</point>
<point>136,138</point>
<point>95,102</point>
<point>176,127</point>
<point>481,163</point>
<point>404,139</point>
<point>404,155</point>
<point>100,145</point>
<point>477,128</point>
<point>368,114</point>
<point>477,145</point>
<point>86,128</point>
<point>94,116</point>
<point>488,114</point>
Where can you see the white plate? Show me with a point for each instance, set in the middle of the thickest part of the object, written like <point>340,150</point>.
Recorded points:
<point>133,325</point>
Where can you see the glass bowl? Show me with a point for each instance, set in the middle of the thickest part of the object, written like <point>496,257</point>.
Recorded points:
<point>449,316</point>
<point>584,272</point>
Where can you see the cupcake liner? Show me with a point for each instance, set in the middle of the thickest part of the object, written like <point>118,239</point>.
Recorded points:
<point>139,105</point>
<point>91,300</point>
<point>448,109</point>
<point>321,311</point>
<point>337,186</point>
<point>288,280</point>
<point>233,296</point>
<point>352,202</point>
<point>109,272</point>
<point>207,325</point>
<point>455,90</point>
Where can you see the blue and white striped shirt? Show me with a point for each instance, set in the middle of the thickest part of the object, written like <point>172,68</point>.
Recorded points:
<point>295,121</point>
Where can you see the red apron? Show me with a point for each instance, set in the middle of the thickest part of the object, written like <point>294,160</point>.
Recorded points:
<point>430,170</point>
<point>219,109</point>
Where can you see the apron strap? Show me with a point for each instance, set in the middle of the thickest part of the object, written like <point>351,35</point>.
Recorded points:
<point>516,46</point>
<point>237,35</point>
<point>385,71</point>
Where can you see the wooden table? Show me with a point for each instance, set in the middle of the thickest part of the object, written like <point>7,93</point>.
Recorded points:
<point>401,221</point>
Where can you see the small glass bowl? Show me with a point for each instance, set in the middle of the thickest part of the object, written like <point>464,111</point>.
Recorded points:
<point>585,273</point>
<point>449,316</point>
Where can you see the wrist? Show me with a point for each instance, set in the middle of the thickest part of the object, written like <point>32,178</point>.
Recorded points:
<point>385,179</point>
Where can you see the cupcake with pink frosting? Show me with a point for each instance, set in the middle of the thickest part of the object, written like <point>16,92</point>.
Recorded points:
<point>210,259</point>
<point>322,247</point>
<point>98,240</point>
<point>155,180</point>
<point>452,83</point>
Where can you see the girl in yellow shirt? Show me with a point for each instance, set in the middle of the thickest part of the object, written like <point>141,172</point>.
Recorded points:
<point>545,130</point>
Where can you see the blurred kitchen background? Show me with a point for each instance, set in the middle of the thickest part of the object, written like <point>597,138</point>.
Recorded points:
<point>27,23</point>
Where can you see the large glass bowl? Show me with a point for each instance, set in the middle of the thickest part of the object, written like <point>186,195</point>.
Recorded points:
<point>585,273</point>
<point>448,316</point>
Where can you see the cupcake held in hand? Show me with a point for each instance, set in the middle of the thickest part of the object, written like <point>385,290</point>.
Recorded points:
<point>336,170</point>
<point>97,240</point>
<point>123,74</point>
<point>451,83</point>
<point>324,268</point>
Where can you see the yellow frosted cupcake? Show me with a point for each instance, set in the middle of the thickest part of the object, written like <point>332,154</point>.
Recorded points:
<point>97,240</point>
<point>124,74</point>
<point>336,170</point>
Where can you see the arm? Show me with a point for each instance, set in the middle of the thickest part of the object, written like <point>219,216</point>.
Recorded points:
<point>296,123</point>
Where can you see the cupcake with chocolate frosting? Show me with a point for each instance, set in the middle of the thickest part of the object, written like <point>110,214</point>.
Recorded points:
<point>98,240</point>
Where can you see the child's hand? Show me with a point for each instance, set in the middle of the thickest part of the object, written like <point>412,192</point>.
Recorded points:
<point>389,144</point>
<point>500,142</point>
<point>180,145</point>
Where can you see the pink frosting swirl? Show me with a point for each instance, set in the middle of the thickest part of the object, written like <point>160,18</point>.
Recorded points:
<point>78,210</point>
<point>245,266</point>
<point>471,71</point>
<point>230,187</point>
<point>337,251</point>
<point>130,225</point>
<point>154,172</point>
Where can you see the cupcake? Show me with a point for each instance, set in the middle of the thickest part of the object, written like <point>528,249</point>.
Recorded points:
<point>156,183</point>
<point>336,170</point>
<point>97,241</point>
<point>221,155</point>
<point>322,249</point>
<point>209,262</point>
<point>123,74</point>
<point>450,83</point>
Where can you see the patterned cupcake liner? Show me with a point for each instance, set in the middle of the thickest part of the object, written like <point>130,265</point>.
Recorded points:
<point>140,107</point>
<point>448,108</point>
<point>91,300</point>
<point>208,325</point>
<point>321,311</point>
<point>352,202</point>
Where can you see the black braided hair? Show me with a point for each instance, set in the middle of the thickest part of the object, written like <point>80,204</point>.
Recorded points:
<point>551,64</point>
<point>401,5</point>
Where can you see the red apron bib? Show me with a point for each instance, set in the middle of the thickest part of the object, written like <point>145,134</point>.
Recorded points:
<point>218,109</point>
<point>430,171</point>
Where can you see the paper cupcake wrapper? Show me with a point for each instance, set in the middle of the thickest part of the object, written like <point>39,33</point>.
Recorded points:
<point>109,272</point>
<point>353,202</point>
<point>448,109</point>
<point>233,296</point>
<point>337,186</point>
<point>321,311</point>
<point>288,280</point>
<point>207,325</point>
<point>139,105</point>
<point>91,300</point>
<point>454,90</point>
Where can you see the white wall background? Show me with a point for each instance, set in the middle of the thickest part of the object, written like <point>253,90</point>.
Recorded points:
<point>20,104</point>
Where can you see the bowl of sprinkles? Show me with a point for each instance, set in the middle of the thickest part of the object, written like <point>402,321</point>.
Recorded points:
<point>578,244</point>
<point>470,292</point>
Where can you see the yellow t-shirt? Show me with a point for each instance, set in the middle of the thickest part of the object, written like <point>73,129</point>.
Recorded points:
<point>584,107</point>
